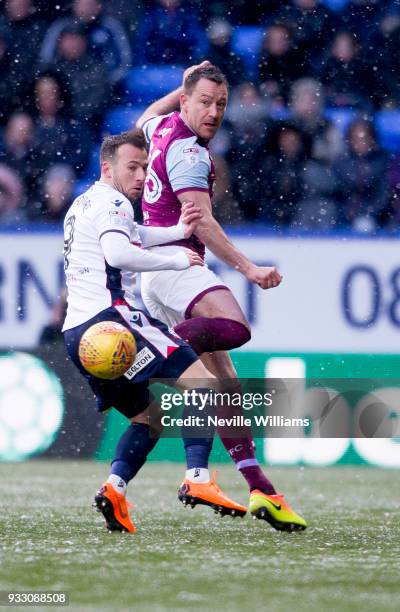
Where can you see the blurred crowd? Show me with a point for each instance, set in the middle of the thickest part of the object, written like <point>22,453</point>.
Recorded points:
<point>311,139</point>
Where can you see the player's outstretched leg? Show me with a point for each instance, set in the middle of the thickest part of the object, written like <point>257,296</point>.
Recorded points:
<point>265,502</point>
<point>198,487</point>
<point>131,453</point>
<point>276,511</point>
<point>217,324</point>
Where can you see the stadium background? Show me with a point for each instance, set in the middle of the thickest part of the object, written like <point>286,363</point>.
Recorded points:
<point>308,162</point>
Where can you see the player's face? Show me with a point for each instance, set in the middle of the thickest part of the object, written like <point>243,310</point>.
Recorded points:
<point>204,108</point>
<point>128,170</point>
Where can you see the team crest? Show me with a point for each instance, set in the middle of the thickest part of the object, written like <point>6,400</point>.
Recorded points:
<point>118,217</point>
<point>191,155</point>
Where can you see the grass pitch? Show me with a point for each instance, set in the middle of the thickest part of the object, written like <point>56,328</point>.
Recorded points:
<point>183,559</point>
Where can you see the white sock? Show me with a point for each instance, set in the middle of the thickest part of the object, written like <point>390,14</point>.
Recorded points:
<point>198,475</point>
<point>117,482</point>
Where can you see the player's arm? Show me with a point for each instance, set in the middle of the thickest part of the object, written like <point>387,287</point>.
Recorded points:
<point>166,104</point>
<point>114,225</point>
<point>120,253</point>
<point>152,235</point>
<point>163,106</point>
<point>209,231</point>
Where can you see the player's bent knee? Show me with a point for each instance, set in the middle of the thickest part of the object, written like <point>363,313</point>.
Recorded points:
<point>150,417</point>
<point>232,334</point>
<point>197,375</point>
<point>209,334</point>
<point>243,333</point>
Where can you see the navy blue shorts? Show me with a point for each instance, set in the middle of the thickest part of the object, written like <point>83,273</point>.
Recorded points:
<point>160,354</point>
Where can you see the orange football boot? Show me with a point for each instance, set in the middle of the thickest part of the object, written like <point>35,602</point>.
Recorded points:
<point>209,494</point>
<point>114,507</point>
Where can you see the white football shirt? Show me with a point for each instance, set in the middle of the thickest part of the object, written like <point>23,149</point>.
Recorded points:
<point>92,283</point>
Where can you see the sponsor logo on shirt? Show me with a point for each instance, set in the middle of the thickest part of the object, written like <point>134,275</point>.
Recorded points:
<point>136,319</point>
<point>164,132</point>
<point>118,202</point>
<point>143,358</point>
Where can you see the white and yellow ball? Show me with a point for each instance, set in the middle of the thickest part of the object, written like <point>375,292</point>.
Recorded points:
<point>107,350</point>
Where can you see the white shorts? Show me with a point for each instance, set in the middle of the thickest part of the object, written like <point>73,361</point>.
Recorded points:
<point>170,295</point>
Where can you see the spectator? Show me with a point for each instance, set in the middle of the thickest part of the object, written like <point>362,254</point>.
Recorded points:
<point>169,35</point>
<point>240,12</point>
<point>362,17</point>
<point>62,140</point>
<point>85,78</point>
<point>108,42</point>
<point>389,69</point>
<point>57,194</point>
<point>348,80</point>
<point>226,209</point>
<point>19,136</point>
<point>248,110</point>
<point>23,30</point>
<point>247,115</point>
<point>279,62</point>
<point>51,333</point>
<point>282,174</point>
<point>360,174</point>
<point>390,216</point>
<point>384,60</point>
<point>7,98</point>
<point>50,11</point>
<point>19,149</point>
<point>12,196</point>
<point>313,25</point>
<point>317,211</point>
<point>307,102</point>
<point>220,51</point>
<point>130,14</point>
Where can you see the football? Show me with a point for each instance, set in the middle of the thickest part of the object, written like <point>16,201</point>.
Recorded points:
<point>107,350</point>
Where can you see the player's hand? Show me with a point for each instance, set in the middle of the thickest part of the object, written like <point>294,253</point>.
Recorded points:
<point>265,277</point>
<point>192,68</point>
<point>194,258</point>
<point>190,214</point>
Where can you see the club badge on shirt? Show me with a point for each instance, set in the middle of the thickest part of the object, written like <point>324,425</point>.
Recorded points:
<point>191,155</point>
<point>118,217</point>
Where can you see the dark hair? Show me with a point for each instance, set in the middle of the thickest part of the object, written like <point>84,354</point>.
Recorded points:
<point>111,144</point>
<point>210,72</point>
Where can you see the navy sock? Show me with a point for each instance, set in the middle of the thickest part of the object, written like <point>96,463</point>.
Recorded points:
<point>198,439</point>
<point>197,452</point>
<point>132,450</point>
